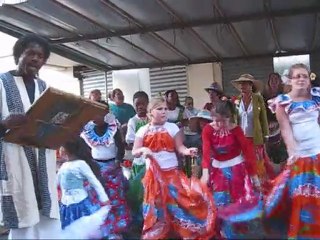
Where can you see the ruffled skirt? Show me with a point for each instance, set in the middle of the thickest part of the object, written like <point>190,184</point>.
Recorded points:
<point>295,199</point>
<point>86,227</point>
<point>72,212</point>
<point>265,169</point>
<point>239,206</point>
<point>175,205</point>
<point>115,186</point>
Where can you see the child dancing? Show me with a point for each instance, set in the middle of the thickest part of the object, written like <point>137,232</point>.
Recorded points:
<point>229,168</point>
<point>103,137</point>
<point>75,202</point>
<point>295,197</point>
<point>173,204</point>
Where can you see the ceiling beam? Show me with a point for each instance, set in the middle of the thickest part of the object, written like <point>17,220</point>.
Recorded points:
<point>232,29</point>
<point>64,5</point>
<point>90,61</point>
<point>58,49</point>
<point>43,18</point>
<point>139,25</point>
<point>114,53</point>
<point>193,23</point>
<point>227,59</point>
<point>267,9</point>
<point>175,15</point>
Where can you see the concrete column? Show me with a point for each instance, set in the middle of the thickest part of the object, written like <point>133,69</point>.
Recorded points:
<point>201,76</point>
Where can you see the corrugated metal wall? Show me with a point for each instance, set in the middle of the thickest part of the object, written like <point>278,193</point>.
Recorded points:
<point>167,78</point>
<point>232,69</point>
<point>93,79</point>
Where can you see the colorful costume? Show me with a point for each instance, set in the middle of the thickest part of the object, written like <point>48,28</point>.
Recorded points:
<point>254,124</point>
<point>75,202</point>
<point>232,169</point>
<point>172,202</point>
<point>296,192</point>
<point>104,151</point>
<point>135,192</point>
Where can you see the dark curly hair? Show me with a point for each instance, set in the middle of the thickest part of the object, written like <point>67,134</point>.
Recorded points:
<point>173,91</point>
<point>24,42</point>
<point>78,147</point>
<point>141,94</point>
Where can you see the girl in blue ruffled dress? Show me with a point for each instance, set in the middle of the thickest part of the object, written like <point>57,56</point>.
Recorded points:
<point>79,169</point>
<point>104,138</point>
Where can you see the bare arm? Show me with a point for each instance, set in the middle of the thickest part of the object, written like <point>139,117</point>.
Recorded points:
<point>286,130</point>
<point>138,149</point>
<point>180,147</point>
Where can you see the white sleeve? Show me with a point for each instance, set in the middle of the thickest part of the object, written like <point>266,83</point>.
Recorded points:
<point>172,128</point>
<point>142,131</point>
<point>131,134</point>
<point>87,172</point>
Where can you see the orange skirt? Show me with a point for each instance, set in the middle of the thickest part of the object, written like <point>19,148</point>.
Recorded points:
<point>295,199</point>
<point>176,204</point>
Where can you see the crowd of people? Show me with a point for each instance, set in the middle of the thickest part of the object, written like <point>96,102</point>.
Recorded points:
<point>160,169</point>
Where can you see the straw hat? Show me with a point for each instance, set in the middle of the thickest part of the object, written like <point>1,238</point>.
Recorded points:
<point>203,114</point>
<point>215,87</point>
<point>247,78</point>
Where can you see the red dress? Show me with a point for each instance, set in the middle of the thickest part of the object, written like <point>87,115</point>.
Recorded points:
<point>231,161</point>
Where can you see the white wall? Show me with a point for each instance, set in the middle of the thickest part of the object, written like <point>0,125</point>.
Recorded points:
<point>57,77</point>
<point>144,80</point>
<point>201,76</point>
<point>131,81</point>
<point>7,64</point>
<point>61,79</point>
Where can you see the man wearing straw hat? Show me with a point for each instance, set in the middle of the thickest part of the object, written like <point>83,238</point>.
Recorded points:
<point>252,118</point>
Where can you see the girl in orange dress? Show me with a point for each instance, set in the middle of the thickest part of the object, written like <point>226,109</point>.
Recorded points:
<point>173,204</point>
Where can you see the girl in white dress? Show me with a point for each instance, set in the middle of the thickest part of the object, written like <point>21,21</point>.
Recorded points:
<point>295,197</point>
<point>75,202</point>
